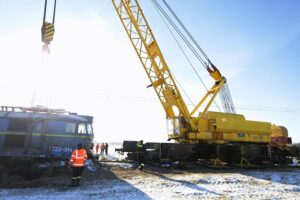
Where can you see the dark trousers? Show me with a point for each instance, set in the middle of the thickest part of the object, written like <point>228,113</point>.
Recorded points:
<point>76,175</point>
<point>141,159</point>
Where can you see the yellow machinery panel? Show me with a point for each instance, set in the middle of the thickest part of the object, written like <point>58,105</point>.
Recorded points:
<point>279,131</point>
<point>209,137</point>
<point>245,137</point>
<point>215,115</point>
<point>200,136</point>
<point>203,125</point>
<point>228,125</point>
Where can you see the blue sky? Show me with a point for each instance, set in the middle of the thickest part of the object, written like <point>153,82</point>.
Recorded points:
<point>255,44</point>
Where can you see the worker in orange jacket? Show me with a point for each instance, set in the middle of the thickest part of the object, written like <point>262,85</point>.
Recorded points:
<point>102,148</point>
<point>77,160</point>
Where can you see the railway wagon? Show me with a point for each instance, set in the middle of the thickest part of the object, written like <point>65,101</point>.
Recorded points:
<point>39,132</point>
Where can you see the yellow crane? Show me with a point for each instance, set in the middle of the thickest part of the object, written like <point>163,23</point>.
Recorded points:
<point>207,127</point>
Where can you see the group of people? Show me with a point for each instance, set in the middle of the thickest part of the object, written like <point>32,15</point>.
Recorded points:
<point>103,148</point>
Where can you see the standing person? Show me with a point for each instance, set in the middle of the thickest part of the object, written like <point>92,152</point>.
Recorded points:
<point>140,154</point>
<point>92,147</point>
<point>77,160</point>
<point>97,148</point>
<point>106,148</point>
<point>102,148</point>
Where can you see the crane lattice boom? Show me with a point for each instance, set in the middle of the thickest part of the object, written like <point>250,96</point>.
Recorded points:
<point>151,57</point>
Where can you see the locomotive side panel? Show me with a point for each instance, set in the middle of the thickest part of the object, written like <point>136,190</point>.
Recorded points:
<point>47,135</point>
<point>3,128</point>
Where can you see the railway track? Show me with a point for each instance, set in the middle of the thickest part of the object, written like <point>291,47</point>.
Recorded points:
<point>184,165</point>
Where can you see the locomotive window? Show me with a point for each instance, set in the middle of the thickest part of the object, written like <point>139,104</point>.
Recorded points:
<point>13,140</point>
<point>38,127</point>
<point>81,128</point>
<point>89,129</point>
<point>70,127</point>
<point>56,127</point>
<point>17,125</point>
<point>3,124</point>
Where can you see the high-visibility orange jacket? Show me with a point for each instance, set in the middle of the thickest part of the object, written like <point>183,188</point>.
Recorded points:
<point>78,158</point>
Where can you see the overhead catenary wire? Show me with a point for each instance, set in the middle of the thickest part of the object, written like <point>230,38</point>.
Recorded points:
<point>185,93</point>
<point>240,107</point>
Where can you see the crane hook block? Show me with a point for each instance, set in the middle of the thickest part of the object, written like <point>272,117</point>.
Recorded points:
<point>47,32</point>
<point>46,48</point>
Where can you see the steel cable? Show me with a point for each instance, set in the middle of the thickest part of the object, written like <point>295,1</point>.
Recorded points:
<point>163,14</point>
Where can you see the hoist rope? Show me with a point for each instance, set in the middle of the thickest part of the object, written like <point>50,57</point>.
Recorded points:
<point>185,29</point>
<point>184,53</point>
<point>179,33</point>
<point>54,12</point>
<point>45,11</point>
<point>161,12</point>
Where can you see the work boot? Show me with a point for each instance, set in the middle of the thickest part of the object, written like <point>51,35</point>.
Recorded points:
<point>73,183</point>
<point>77,182</point>
<point>141,166</point>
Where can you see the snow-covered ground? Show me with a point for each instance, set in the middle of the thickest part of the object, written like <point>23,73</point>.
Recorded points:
<point>118,180</point>
<point>124,181</point>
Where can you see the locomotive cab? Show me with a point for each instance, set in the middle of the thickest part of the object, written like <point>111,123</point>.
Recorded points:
<point>42,132</point>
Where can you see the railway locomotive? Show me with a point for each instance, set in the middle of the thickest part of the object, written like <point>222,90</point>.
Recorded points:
<point>40,132</point>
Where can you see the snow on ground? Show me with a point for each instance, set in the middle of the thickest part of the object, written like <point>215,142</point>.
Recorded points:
<point>119,180</point>
<point>246,185</point>
<point>106,189</point>
<point>124,181</point>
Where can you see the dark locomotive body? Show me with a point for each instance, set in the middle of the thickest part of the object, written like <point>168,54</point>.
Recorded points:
<point>42,132</point>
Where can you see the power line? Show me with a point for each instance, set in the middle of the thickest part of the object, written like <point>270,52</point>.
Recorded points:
<point>240,107</point>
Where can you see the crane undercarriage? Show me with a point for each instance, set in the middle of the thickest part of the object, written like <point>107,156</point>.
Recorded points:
<point>230,153</point>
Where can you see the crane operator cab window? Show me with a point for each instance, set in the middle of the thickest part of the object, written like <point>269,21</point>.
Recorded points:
<point>173,126</point>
